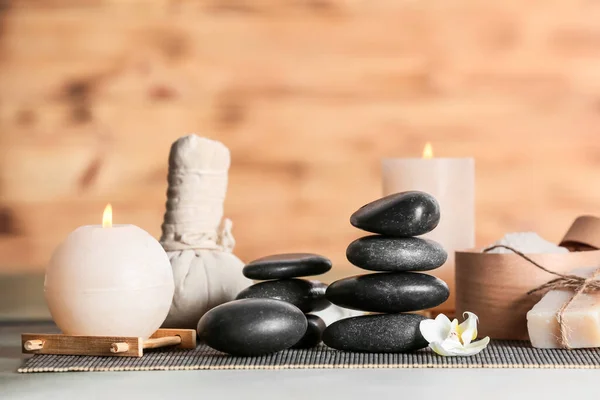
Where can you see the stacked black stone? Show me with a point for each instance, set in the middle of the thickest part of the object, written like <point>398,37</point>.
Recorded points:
<point>398,288</point>
<point>280,273</point>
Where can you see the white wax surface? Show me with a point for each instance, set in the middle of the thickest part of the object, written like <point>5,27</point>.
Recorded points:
<point>109,281</point>
<point>452,182</point>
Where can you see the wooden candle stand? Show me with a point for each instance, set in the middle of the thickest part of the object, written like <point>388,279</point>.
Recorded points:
<point>114,346</point>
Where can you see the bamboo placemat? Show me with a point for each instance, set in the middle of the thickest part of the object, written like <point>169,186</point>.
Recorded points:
<point>499,354</point>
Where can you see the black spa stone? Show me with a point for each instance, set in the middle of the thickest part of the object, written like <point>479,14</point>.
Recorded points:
<point>313,334</point>
<point>389,292</point>
<point>252,327</point>
<point>306,295</point>
<point>402,214</point>
<point>282,266</point>
<point>384,253</point>
<point>380,333</point>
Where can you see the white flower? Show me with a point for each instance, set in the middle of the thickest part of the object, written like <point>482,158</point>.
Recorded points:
<point>451,339</point>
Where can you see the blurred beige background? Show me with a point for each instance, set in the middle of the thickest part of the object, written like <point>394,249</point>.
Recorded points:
<point>308,95</point>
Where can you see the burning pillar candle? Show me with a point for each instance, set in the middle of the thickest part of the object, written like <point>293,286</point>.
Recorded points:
<point>109,280</point>
<point>451,181</point>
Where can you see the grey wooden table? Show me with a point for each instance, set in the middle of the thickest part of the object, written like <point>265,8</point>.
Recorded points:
<point>473,384</point>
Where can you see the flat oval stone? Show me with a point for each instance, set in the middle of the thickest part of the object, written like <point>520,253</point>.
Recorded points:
<point>282,266</point>
<point>389,292</point>
<point>314,333</point>
<point>252,327</point>
<point>381,333</point>
<point>306,295</point>
<point>402,214</point>
<point>384,253</point>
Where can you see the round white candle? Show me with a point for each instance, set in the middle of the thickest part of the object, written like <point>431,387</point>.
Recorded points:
<point>113,281</point>
<point>452,182</point>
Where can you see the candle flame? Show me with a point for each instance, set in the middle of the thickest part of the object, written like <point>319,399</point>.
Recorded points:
<point>428,151</point>
<point>107,216</point>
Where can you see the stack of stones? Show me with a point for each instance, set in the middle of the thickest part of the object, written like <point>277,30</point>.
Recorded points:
<point>280,273</point>
<point>398,288</point>
<point>271,316</point>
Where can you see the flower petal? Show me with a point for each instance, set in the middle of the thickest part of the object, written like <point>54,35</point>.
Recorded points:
<point>475,347</point>
<point>454,332</point>
<point>435,330</point>
<point>450,348</point>
<point>443,320</point>
<point>452,344</point>
<point>454,325</point>
<point>439,349</point>
<point>468,329</point>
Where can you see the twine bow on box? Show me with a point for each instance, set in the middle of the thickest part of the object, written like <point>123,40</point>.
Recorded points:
<point>577,284</point>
